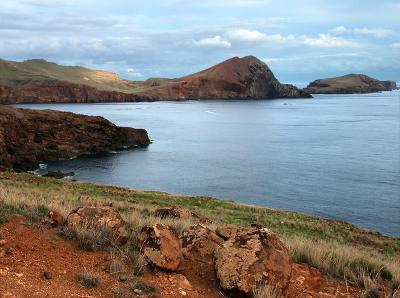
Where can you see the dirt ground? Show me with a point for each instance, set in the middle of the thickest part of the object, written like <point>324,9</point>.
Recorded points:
<point>35,249</point>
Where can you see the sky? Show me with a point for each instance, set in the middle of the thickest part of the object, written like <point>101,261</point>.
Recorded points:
<point>301,40</point>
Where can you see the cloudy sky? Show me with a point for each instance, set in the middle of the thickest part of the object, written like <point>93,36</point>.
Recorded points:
<point>300,40</point>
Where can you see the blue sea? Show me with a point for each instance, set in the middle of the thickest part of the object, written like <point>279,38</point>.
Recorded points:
<point>336,156</point>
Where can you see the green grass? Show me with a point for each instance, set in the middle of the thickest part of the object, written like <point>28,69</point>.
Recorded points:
<point>284,223</point>
<point>41,70</point>
<point>338,249</point>
<point>33,213</point>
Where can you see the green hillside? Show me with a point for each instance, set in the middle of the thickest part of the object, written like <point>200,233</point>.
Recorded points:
<point>42,70</point>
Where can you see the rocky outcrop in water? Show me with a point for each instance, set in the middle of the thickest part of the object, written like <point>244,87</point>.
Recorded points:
<point>28,137</point>
<point>348,84</point>
<point>35,81</point>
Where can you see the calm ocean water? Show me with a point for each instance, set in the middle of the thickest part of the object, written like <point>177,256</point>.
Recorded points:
<point>333,156</point>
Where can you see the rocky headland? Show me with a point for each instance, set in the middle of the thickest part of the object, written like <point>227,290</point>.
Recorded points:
<point>349,84</point>
<point>39,81</point>
<point>28,137</point>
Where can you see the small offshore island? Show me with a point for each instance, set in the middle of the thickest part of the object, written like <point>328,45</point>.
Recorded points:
<point>61,238</point>
<point>349,84</point>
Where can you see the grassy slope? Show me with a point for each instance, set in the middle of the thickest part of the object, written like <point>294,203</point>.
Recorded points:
<point>42,70</point>
<point>347,81</point>
<point>337,248</point>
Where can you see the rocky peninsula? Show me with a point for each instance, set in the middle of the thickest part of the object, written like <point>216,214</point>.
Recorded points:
<point>28,137</point>
<point>349,84</point>
<point>40,81</point>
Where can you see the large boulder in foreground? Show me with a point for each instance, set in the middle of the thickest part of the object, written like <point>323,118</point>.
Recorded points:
<point>348,84</point>
<point>161,246</point>
<point>199,242</point>
<point>99,217</point>
<point>174,212</point>
<point>251,258</point>
<point>28,137</point>
<point>179,212</point>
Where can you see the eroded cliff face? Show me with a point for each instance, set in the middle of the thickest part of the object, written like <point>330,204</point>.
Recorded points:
<point>28,137</point>
<point>245,77</point>
<point>348,84</point>
<point>60,92</point>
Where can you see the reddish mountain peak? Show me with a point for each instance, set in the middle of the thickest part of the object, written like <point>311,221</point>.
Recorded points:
<point>246,77</point>
<point>233,69</point>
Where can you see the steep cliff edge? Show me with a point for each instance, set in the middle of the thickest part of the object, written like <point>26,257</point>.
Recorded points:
<point>38,81</point>
<point>348,84</point>
<point>28,137</point>
<point>246,77</point>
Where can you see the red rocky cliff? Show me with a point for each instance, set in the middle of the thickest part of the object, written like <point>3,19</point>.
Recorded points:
<point>28,137</point>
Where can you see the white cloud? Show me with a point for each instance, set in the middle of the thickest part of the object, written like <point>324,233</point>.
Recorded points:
<point>396,45</point>
<point>328,41</point>
<point>339,29</point>
<point>216,41</point>
<point>310,58</point>
<point>247,35</point>
<point>133,72</point>
<point>376,32</point>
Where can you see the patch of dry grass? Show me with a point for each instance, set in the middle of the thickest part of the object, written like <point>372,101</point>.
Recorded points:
<point>266,290</point>
<point>338,249</point>
<point>88,278</point>
<point>89,238</point>
<point>360,266</point>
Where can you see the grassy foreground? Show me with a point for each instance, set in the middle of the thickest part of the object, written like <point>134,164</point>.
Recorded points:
<point>339,249</point>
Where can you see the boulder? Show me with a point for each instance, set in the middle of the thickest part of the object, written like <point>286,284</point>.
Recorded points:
<point>105,217</point>
<point>231,231</point>
<point>180,212</point>
<point>161,246</point>
<point>251,258</point>
<point>199,242</point>
<point>175,212</point>
<point>55,218</point>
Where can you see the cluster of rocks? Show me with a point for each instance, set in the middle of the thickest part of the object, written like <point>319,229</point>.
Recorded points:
<point>242,257</point>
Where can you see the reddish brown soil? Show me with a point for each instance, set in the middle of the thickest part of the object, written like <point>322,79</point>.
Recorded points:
<point>34,249</point>
<point>309,282</point>
<point>37,248</point>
